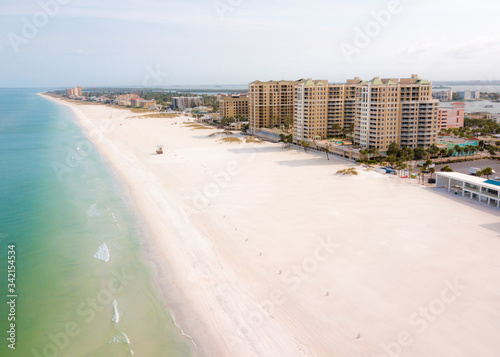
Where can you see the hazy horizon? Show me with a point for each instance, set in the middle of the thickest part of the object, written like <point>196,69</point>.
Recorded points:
<point>60,43</point>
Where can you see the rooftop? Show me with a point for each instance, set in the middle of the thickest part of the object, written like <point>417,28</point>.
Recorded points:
<point>471,179</point>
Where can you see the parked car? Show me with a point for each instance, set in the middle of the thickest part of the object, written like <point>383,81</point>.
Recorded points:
<point>473,170</point>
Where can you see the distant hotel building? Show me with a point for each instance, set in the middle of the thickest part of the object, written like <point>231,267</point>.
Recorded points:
<point>469,95</point>
<point>126,99</point>
<point>76,92</point>
<point>452,116</point>
<point>142,103</point>
<point>233,105</point>
<point>373,113</point>
<point>444,95</point>
<point>182,103</point>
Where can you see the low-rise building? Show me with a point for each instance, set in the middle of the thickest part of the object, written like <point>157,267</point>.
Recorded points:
<point>234,105</point>
<point>477,115</point>
<point>443,95</point>
<point>148,104</point>
<point>136,102</point>
<point>452,116</point>
<point>126,99</point>
<point>484,190</point>
<point>272,135</point>
<point>494,117</point>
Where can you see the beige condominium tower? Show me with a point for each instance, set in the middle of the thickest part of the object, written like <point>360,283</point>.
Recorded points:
<point>234,105</point>
<point>310,118</point>
<point>372,113</point>
<point>271,104</point>
<point>419,113</point>
<point>392,110</point>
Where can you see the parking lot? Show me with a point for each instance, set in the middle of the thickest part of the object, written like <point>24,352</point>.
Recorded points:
<point>463,167</point>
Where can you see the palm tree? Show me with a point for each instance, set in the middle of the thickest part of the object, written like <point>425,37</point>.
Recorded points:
<point>305,145</point>
<point>487,171</point>
<point>271,121</point>
<point>364,152</point>
<point>327,150</point>
<point>336,128</point>
<point>422,170</point>
<point>401,166</point>
<point>374,151</point>
<point>344,132</point>
<point>433,150</point>
<point>410,169</point>
<point>391,159</point>
<point>351,132</point>
<point>283,139</point>
<point>432,170</point>
<point>286,139</point>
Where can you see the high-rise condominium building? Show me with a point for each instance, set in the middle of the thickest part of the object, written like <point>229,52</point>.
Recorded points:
<point>419,113</point>
<point>372,113</point>
<point>234,105</point>
<point>271,103</point>
<point>77,92</point>
<point>310,119</point>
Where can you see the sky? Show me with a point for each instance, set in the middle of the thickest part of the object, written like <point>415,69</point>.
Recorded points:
<point>161,43</point>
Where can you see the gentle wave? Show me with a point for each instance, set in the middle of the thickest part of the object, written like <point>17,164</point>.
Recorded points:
<point>115,220</point>
<point>123,338</point>
<point>102,253</point>
<point>116,317</point>
<point>93,211</point>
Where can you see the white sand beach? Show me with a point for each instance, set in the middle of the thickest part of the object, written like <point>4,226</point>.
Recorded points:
<point>271,253</point>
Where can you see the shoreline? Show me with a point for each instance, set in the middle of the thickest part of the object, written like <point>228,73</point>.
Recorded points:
<point>287,258</point>
<point>162,281</point>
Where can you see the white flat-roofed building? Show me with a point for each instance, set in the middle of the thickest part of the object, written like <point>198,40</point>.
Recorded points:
<point>484,190</point>
<point>445,95</point>
<point>494,117</point>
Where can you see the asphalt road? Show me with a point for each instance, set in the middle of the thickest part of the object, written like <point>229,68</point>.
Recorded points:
<point>463,167</point>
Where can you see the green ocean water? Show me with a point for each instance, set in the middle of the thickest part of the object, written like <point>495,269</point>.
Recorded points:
<point>82,286</point>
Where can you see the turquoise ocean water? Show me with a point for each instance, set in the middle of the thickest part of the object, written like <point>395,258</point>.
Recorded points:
<point>82,286</point>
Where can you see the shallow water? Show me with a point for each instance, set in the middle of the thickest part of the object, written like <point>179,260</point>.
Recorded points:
<point>83,287</point>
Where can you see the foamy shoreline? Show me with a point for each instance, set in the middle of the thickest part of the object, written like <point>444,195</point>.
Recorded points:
<point>274,255</point>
